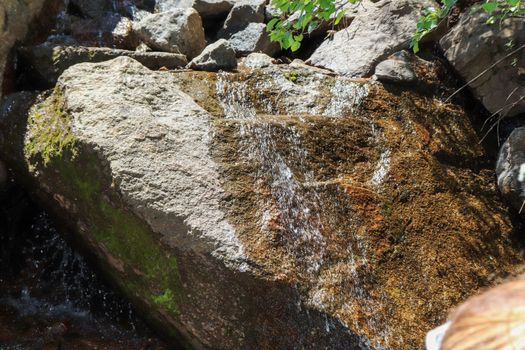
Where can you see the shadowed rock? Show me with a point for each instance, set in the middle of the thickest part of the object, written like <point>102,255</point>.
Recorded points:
<point>49,61</point>
<point>473,47</point>
<point>511,169</point>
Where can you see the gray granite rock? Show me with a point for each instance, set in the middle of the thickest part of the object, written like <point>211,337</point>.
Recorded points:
<point>49,60</point>
<point>243,13</point>
<point>253,38</point>
<point>178,31</point>
<point>207,9</point>
<point>380,28</point>
<point>217,56</point>
<point>397,68</point>
<point>257,60</point>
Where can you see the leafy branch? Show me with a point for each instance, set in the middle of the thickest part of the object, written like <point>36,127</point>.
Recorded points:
<point>297,18</point>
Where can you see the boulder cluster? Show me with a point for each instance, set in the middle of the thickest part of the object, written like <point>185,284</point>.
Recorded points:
<point>198,34</point>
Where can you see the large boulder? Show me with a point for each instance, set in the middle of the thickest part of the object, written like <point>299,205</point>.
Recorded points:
<point>379,29</point>
<point>178,30</point>
<point>481,54</point>
<point>217,56</point>
<point>15,18</point>
<point>510,169</point>
<point>281,208</point>
<point>48,61</point>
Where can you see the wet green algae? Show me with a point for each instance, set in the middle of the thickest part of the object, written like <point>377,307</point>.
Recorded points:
<point>142,267</point>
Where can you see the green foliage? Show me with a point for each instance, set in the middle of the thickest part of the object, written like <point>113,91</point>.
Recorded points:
<point>501,9</point>
<point>299,17</point>
<point>430,19</point>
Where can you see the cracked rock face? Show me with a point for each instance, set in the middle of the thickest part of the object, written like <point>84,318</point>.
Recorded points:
<point>273,208</point>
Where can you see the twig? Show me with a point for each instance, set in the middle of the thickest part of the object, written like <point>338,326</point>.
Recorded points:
<point>484,71</point>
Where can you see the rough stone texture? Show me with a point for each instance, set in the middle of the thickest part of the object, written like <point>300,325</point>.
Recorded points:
<point>257,60</point>
<point>178,31</point>
<point>243,13</point>
<point>217,56</point>
<point>206,8</point>
<point>252,215</point>
<point>397,68</point>
<point>379,29</point>
<point>253,38</point>
<point>49,60</point>
<point>472,46</point>
<point>15,17</point>
<point>511,169</point>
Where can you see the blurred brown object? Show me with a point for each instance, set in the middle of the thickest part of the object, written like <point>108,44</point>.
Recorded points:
<point>494,320</point>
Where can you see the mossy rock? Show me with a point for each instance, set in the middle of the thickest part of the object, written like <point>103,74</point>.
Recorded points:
<point>252,211</point>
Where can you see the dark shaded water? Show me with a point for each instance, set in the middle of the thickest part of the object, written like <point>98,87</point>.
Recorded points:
<point>50,298</point>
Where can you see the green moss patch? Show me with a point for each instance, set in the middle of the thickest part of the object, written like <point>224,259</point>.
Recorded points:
<point>49,131</point>
<point>134,256</point>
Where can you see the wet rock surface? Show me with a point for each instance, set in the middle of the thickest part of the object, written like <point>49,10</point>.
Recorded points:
<point>288,208</point>
<point>50,297</point>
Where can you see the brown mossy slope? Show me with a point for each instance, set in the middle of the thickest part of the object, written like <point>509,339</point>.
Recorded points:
<point>387,254</point>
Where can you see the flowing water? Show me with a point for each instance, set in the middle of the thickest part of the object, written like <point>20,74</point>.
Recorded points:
<point>50,297</point>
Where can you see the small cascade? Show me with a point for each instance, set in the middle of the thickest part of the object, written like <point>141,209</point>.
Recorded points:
<point>297,209</point>
<point>50,295</point>
<point>304,205</point>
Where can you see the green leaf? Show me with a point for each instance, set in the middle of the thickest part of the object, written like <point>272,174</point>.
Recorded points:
<point>271,24</point>
<point>490,6</point>
<point>295,46</point>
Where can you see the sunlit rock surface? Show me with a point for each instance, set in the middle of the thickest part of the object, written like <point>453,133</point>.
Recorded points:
<point>278,208</point>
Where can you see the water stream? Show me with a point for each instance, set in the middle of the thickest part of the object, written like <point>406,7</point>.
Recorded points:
<point>50,297</point>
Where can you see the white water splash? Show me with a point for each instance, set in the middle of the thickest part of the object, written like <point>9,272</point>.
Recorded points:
<point>298,211</point>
